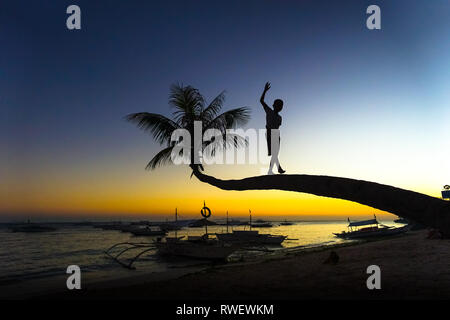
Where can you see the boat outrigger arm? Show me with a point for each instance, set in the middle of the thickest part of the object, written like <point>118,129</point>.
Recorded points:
<point>144,246</point>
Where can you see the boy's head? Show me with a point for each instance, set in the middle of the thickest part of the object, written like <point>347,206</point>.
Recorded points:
<point>278,105</point>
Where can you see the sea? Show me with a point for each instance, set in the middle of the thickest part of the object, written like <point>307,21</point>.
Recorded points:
<point>27,258</point>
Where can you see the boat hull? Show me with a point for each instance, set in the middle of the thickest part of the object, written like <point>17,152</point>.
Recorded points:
<point>385,232</point>
<point>148,233</point>
<point>262,225</point>
<point>32,228</point>
<point>250,238</point>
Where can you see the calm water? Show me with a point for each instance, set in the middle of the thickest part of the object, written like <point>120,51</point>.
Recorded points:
<point>28,256</point>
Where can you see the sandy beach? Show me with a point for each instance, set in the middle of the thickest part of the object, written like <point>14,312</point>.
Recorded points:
<point>412,267</point>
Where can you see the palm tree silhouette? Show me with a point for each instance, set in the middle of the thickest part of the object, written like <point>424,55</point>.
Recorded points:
<point>190,106</point>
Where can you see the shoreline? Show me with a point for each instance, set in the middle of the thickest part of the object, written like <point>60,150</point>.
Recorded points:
<point>55,285</point>
<point>113,274</point>
<point>412,267</point>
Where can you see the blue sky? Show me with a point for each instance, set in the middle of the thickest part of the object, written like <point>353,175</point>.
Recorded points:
<point>358,103</point>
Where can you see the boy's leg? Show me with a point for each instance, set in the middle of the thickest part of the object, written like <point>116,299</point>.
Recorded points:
<point>276,150</point>
<point>272,162</point>
<point>275,147</point>
<point>275,142</point>
<point>269,141</point>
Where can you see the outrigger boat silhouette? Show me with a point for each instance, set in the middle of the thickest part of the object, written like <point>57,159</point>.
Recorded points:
<point>31,227</point>
<point>249,236</point>
<point>286,223</point>
<point>198,247</point>
<point>147,231</point>
<point>372,229</point>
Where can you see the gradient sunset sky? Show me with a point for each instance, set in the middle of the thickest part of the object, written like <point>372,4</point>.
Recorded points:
<point>362,104</point>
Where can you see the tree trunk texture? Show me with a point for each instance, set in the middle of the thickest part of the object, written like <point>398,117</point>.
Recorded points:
<point>418,207</point>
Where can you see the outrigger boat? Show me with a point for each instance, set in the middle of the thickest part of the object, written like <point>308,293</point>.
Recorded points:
<point>198,247</point>
<point>169,226</point>
<point>147,231</point>
<point>261,224</point>
<point>249,236</point>
<point>372,229</point>
<point>31,227</point>
<point>117,225</point>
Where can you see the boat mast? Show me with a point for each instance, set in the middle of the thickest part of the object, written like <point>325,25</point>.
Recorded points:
<point>206,220</point>
<point>250,212</point>
<point>176,220</point>
<point>227,221</point>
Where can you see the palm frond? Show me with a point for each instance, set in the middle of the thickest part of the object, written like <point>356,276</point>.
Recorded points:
<point>235,141</point>
<point>213,108</point>
<point>161,158</point>
<point>230,140</point>
<point>188,103</point>
<point>230,119</point>
<point>159,126</point>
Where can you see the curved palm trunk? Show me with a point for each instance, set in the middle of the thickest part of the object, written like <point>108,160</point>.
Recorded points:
<point>412,205</point>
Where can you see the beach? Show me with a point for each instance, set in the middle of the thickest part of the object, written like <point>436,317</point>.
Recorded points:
<point>412,267</point>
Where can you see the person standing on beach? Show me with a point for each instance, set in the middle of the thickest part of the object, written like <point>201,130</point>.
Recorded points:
<point>273,123</point>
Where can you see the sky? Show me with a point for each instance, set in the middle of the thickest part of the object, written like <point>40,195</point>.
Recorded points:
<point>359,103</point>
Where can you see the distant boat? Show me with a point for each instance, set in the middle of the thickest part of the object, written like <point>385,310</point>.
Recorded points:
<point>127,227</point>
<point>262,225</point>
<point>141,223</point>
<point>373,230</point>
<point>201,223</point>
<point>115,225</point>
<point>31,227</point>
<point>147,231</point>
<point>83,223</point>
<point>286,223</point>
<point>119,226</point>
<point>249,236</point>
<point>234,223</point>
<point>169,226</point>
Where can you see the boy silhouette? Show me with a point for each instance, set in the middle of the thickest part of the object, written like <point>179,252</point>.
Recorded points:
<point>273,123</point>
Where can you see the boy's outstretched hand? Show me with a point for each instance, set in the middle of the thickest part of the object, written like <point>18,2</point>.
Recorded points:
<point>266,88</point>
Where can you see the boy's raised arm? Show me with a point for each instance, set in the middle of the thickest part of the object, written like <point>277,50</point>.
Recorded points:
<point>265,106</point>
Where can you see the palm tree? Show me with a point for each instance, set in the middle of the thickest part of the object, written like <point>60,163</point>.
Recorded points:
<point>190,106</point>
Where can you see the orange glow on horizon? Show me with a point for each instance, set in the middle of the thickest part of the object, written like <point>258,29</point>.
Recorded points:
<point>133,192</point>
